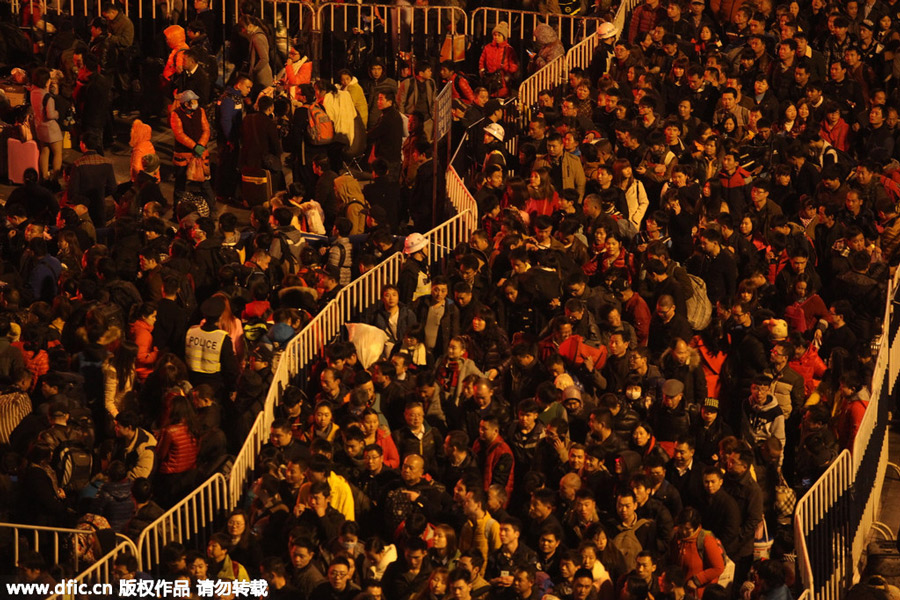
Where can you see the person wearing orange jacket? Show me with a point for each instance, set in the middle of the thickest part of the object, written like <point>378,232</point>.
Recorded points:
<point>191,130</point>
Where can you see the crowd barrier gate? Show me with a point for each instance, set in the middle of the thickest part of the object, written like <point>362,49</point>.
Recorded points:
<point>835,518</point>
<point>101,572</point>
<point>193,518</point>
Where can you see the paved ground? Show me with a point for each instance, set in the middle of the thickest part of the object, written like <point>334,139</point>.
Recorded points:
<point>883,557</point>
<point>121,157</point>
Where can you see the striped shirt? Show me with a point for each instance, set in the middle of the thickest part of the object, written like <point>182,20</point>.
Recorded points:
<point>15,405</point>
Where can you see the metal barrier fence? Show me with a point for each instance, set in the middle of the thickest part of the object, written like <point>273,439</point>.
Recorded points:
<point>191,519</point>
<point>823,532</point>
<point>63,541</point>
<point>352,301</point>
<point>352,33</point>
<point>836,516</point>
<point>523,22</point>
<point>580,55</point>
<point>101,572</point>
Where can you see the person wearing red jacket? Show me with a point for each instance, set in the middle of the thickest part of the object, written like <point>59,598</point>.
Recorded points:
<point>697,551</point>
<point>498,61</point>
<point>176,452</point>
<point>495,455</point>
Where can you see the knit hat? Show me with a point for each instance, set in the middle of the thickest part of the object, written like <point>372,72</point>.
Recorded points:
<point>502,28</point>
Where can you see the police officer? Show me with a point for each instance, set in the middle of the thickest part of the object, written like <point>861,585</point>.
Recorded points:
<point>230,112</point>
<point>208,352</point>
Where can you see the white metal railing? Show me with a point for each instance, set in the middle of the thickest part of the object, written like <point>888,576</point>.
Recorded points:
<point>351,301</point>
<point>299,13</point>
<point>816,505</point>
<point>580,55</point>
<point>522,23</point>
<point>822,500</point>
<point>188,519</point>
<point>59,538</point>
<point>394,19</point>
<point>101,572</point>
<point>547,77</point>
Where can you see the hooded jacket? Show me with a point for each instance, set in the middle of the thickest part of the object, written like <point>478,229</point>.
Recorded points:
<point>141,146</point>
<point>551,47</point>
<point>175,38</point>
<point>359,99</point>
<point>340,109</point>
<point>762,422</point>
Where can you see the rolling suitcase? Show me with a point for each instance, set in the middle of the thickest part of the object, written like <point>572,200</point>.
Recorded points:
<point>21,156</point>
<point>256,186</point>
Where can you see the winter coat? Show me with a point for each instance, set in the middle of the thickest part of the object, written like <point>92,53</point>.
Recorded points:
<point>759,423</point>
<point>572,172</point>
<point>691,375</point>
<point>142,334</point>
<point>551,47</point>
<point>340,109</point>
<point>359,100</point>
<point>406,320</point>
<point>114,502</point>
<point>489,350</point>
<point>177,449</point>
<point>706,567</point>
<point>499,57</point>
<point>141,146</point>
<point>175,38</point>
<point>190,128</point>
<point>114,396</point>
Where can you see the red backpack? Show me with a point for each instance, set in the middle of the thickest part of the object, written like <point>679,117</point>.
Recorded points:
<point>321,129</point>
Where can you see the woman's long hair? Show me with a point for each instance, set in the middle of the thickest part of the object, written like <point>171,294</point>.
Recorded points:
<point>182,412</point>
<point>122,361</point>
<point>545,188</point>
<point>618,166</point>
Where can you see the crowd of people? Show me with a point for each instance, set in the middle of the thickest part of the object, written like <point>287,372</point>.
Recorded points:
<point>658,338</point>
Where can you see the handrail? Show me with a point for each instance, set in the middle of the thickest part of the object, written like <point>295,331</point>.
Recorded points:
<point>522,23</point>
<point>19,528</point>
<point>187,519</point>
<point>401,15</point>
<point>101,571</point>
<point>814,506</point>
<point>350,302</point>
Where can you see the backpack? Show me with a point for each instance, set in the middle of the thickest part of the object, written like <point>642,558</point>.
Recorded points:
<point>699,308</point>
<point>321,129</point>
<point>628,544</point>
<point>727,576</point>
<point>290,253</point>
<point>185,295</point>
<point>73,465</point>
<point>276,62</point>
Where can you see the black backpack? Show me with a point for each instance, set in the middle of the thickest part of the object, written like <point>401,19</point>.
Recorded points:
<point>290,262</point>
<point>74,465</point>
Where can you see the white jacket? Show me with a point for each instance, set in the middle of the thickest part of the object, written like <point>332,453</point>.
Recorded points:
<point>340,109</point>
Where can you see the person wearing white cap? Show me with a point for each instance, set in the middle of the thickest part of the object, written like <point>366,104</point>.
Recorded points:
<point>498,62</point>
<point>191,130</point>
<point>414,280</point>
